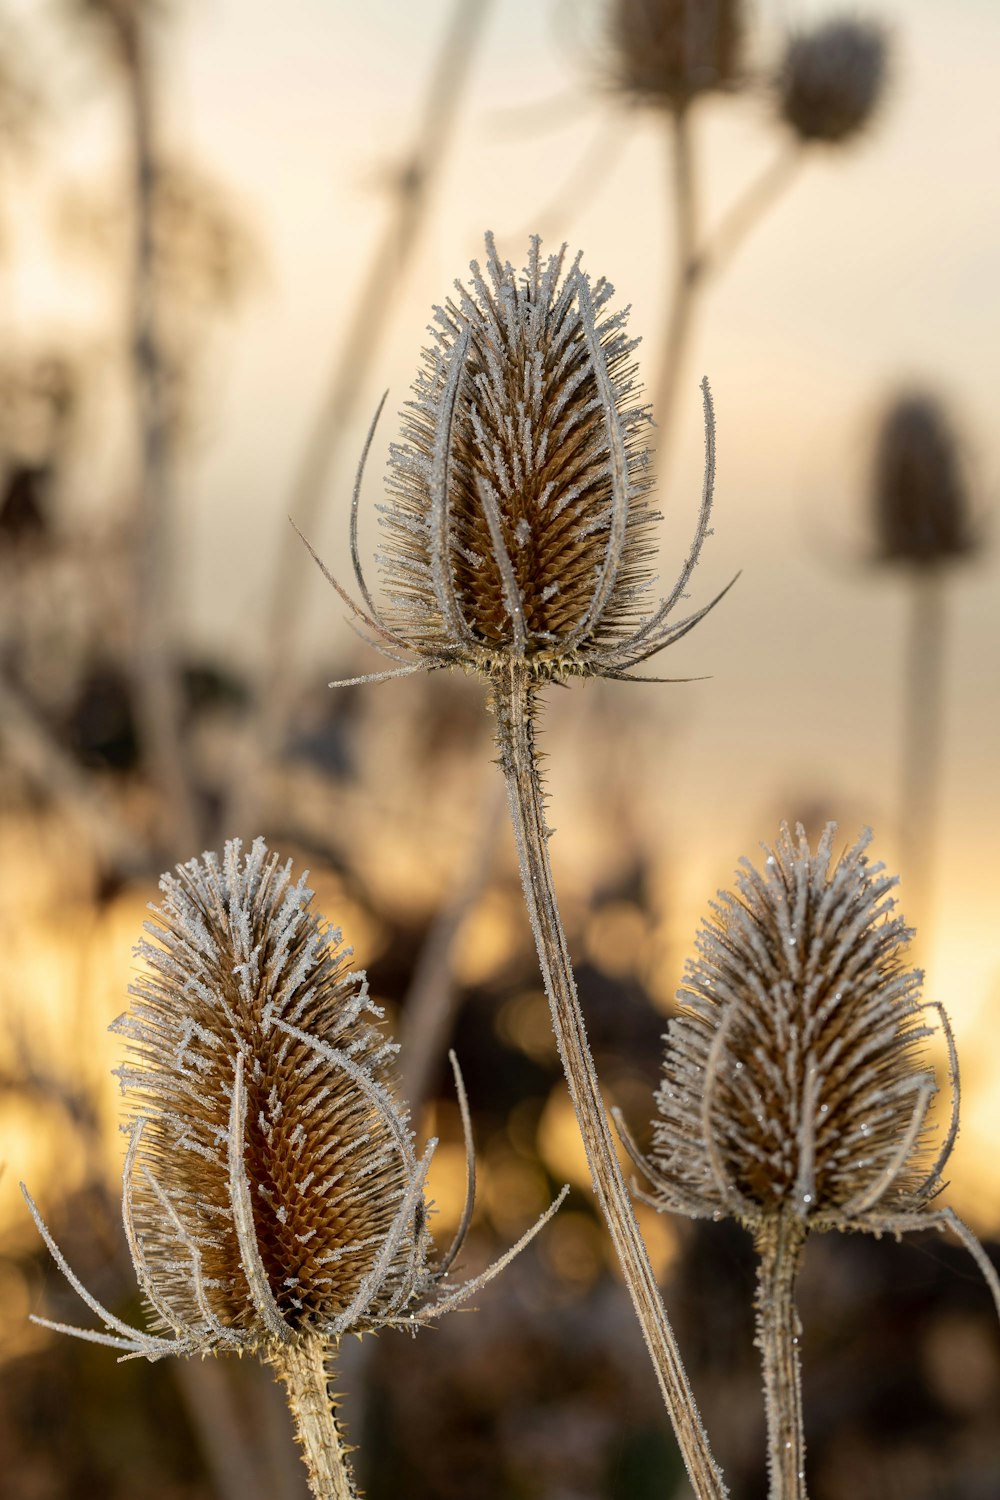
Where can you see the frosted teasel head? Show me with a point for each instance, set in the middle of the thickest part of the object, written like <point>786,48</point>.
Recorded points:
<point>271,1190</point>
<point>832,79</point>
<point>919,494</point>
<point>518,527</point>
<point>668,52</point>
<point>796,1081</point>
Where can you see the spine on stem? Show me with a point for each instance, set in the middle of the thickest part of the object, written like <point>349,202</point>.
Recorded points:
<point>302,1369</point>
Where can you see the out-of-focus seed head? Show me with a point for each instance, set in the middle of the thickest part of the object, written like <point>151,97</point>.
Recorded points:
<point>832,79</point>
<point>795,1078</point>
<point>919,497</point>
<point>518,528</point>
<point>667,52</point>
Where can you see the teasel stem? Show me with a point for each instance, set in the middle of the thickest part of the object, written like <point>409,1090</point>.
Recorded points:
<point>779,1244</point>
<point>513,705</point>
<point>920,772</point>
<point>302,1368</point>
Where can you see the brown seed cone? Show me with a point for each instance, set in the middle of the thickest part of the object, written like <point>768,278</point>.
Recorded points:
<point>524,407</point>
<point>832,79</point>
<point>666,52</point>
<point>920,501</point>
<point>795,1078</point>
<point>247,990</point>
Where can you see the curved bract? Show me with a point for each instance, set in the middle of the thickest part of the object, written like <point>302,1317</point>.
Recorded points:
<point>518,526</point>
<point>272,1195</point>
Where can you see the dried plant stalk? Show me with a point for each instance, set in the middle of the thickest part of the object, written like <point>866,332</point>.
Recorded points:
<point>779,1246</point>
<point>512,703</point>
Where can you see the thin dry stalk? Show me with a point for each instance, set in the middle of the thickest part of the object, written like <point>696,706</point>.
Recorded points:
<point>679,318</point>
<point>923,724</point>
<point>156,684</point>
<point>697,262</point>
<point>30,744</point>
<point>431,1000</point>
<point>347,381</point>
<point>779,1245</point>
<point>515,739</point>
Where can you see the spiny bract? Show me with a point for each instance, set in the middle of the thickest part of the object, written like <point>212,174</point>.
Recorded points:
<point>795,1078</point>
<point>518,527</point>
<point>271,1192</point>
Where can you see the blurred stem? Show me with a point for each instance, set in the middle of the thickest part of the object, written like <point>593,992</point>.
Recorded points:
<point>348,378</point>
<point>432,998</point>
<point>922,741</point>
<point>686,276</point>
<point>302,1369</point>
<point>156,684</point>
<point>779,1246</point>
<point>30,743</point>
<point>696,264</point>
<point>514,702</point>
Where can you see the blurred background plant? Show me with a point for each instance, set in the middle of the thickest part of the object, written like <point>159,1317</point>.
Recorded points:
<point>186,249</point>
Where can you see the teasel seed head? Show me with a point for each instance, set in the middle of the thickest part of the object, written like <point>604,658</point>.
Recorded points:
<point>271,1192</point>
<point>832,79</point>
<point>920,500</point>
<point>518,527</point>
<point>795,1078</point>
<point>667,52</point>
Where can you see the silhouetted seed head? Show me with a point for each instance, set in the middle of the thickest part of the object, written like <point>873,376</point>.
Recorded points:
<point>832,79</point>
<point>795,1078</point>
<point>666,52</point>
<point>519,527</point>
<point>271,1193</point>
<point>920,503</point>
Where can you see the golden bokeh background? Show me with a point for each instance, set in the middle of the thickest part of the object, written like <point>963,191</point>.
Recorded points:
<point>284,140</point>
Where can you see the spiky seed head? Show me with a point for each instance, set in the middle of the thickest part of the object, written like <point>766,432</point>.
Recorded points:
<point>832,79</point>
<point>246,989</point>
<point>526,402</point>
<point>795,1079</point>
<point>667,52</point>
<point>919,496</point>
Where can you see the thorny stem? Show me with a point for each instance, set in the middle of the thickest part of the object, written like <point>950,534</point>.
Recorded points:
<point>302,1368</point>
<point>513,706</point>
<point>920,773</point>
<point>779,1246</point>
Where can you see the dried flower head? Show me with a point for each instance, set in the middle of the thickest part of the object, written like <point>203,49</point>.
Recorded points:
<point>666,52</point>
<point>795,1082</point>
<point>519,528</point>
<point>832,78</point>
<point>271,1192</point>
<point>920,501</point>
